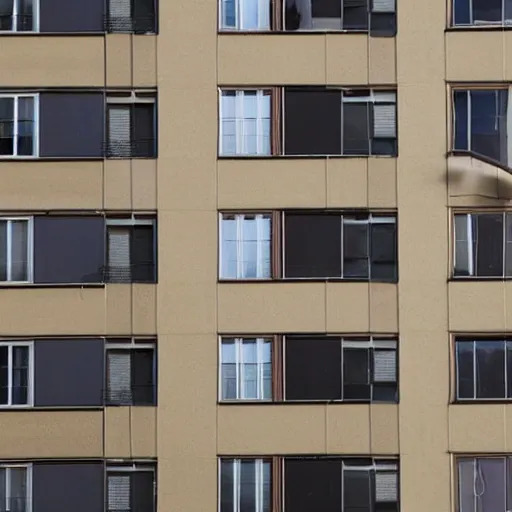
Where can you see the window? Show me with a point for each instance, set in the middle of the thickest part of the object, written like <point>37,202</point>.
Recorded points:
<point>298,368</point>
<point>18,15</point>
<point>245,485</point>
<point>131,16</point>
<point>484,484</point>
<point>18,128</point>
<point>320,121</point>
<point>131,373</point>
<point>244,123</point>
<point>246,369</point>
<point>131,488</point>
<point>483,367</point>
<point>482,12</point>
<point>245,246</point>
<point>378,17</point>
<point>15,488</point>
<point>245,14</point>
<point>333,368</point>
<point>483,245</point>
<point>15,250</point>
<point>334,245</point>
<point>131,126</point>
<point>336,484</point>
<point>131,250</point>
<point>480,123</point>
<point>15,374</point>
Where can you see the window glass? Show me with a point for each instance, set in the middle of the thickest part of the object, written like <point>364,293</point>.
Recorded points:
<point>250,369</point>
<point>487,11</point>
<point>466,474</point>
<point>25,126</point>
<point>226,486</point>
<point>19,250</point>
<point>248,485</point>
<point>355,248</point>
<point>229,248</point>
<point>465,369</point>
<point>3,251</point>
<point>20,368</point>
<point>489,249</point>
<point>357,490</point>
<point>267,487</point>
<point>229,13</point>
<point>6,126</point>
<point>228,358</point>
<point>383,251</point>
<point>356,129</point>
<point>490,369</point>
<point>4,375</point>
<point>6,14</point>
<point>266,349</point>
<point>356,374</point>
<point>490,484</point>
<point>460,104</point>
<point>508,246</point>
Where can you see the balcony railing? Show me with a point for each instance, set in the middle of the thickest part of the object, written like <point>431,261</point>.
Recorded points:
<point>134,395</point>
<point>130,25</point>
<point>135,273</point>
<point>140,148</point>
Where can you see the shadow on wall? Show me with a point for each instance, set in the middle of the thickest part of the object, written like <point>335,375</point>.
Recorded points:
<point>471,175</point>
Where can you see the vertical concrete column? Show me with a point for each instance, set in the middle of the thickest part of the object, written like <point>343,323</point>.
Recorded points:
<point>187,289</point>
<point>423,253</point>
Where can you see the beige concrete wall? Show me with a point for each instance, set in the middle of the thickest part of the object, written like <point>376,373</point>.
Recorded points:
<point>354,59</point>
<point>423,252</point>
<point>116,432</point>
<point>316,183</point>
<point>307,429</point>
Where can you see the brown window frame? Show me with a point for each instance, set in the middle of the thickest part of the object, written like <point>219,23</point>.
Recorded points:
<point>278,367</point>
<point>278,473</point>
<point>277,245</point>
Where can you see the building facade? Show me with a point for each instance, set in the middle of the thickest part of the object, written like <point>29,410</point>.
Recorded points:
<point>267,243</point>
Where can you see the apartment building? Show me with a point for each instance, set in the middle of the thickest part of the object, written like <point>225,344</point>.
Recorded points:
<point>255,256</point>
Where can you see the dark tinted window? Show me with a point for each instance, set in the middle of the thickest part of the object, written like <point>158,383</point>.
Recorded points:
<point>312,121</point>
<point>313,368</point>
<point>312,245</point>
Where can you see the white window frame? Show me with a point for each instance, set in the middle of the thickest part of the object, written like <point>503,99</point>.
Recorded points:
<point>30,390</point>
<point>35,19</point>
<point>28,468</point>
<point>240,218</point>
<point>30,249</point>
<point>16,97</point>
<point>236,462</point>
<point>240,122</point>
<point>240,390</point>
<point>239,16</point>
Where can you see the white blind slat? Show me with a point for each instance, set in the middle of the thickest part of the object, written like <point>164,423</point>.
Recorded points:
<point>119,374</point>
<point>384,119</point>
<point>384,362</point>
<point>386,486</point>
<point>119,247</point>
<point>120,9</point>
<point>383,5</point>
<point>119,492</point>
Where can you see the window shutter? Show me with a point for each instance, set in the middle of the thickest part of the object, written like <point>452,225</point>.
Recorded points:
<point>384,121</point>
<point>383,6</point>
<point>120,14</point>
<point>119,377</point>
<point>119,254</point>
<point>119,492</point>
<point>384,362</point>
<point>386,487</point>
<point>119,131</point>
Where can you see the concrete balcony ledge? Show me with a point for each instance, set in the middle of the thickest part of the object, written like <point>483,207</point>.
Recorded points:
<point>470,174</point>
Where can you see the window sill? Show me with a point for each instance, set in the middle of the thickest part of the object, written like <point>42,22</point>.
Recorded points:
<point>299,157</point>
<point>454,279</point>
<point>234,31</point>
<point>305,280</point>
<point>482,401</point>
<point>300,402</point>
<point>30,408</point>
<point>478,28</point>
<point>51,285</point>
<point>51,158</point>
